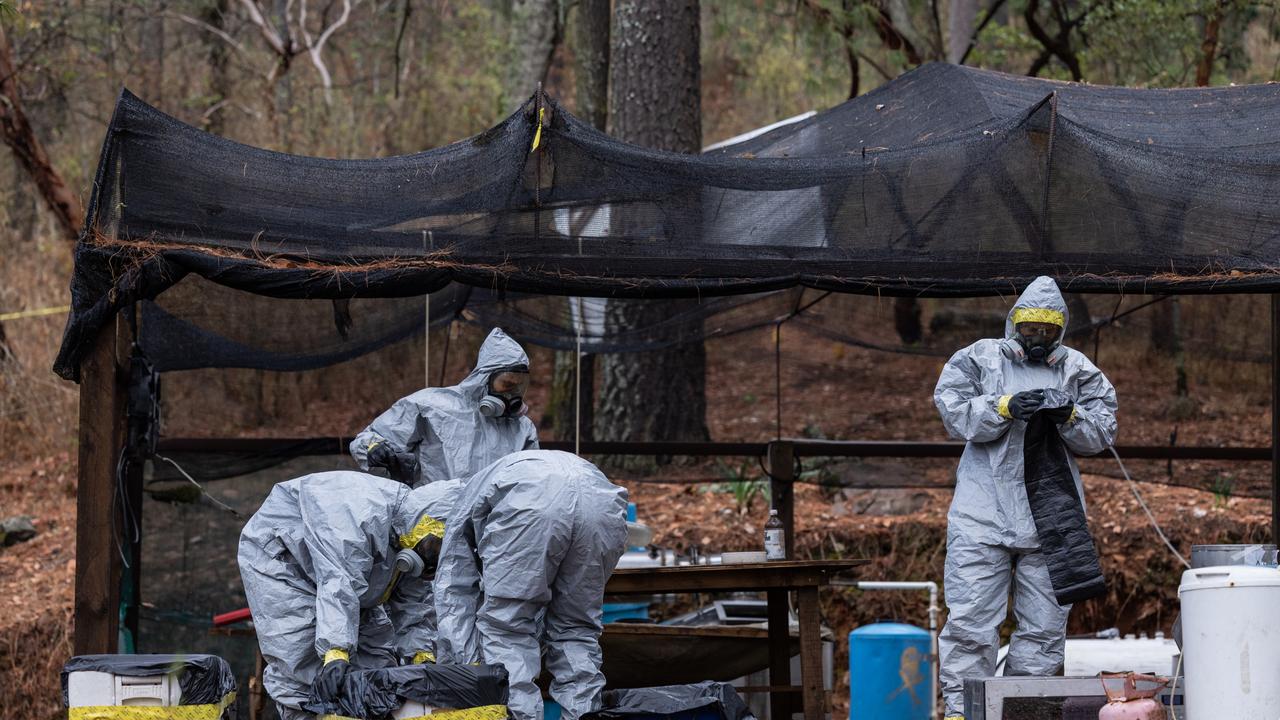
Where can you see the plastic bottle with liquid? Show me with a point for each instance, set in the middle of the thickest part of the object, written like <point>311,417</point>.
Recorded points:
<point>775,538</point>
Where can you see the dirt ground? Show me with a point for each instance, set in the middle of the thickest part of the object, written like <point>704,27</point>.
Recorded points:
<point>829,390</point>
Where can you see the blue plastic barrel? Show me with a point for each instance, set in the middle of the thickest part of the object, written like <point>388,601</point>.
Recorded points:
<point>889,672</point>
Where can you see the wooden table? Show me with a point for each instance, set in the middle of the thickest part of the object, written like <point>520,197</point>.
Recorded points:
<point>776,579</point>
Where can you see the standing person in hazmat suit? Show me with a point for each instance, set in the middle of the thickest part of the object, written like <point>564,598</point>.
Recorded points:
<point>535,532</point>
<point>452,432</point>
<point>337,569</point>
<point>990,394</point>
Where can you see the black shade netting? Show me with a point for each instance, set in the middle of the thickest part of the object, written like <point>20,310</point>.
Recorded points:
<point>948,181</point>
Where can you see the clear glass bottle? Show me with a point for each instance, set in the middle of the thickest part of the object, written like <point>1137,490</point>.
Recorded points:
<point>775,538</point>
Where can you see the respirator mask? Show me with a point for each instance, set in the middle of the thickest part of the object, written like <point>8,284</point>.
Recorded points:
<point>504,393</point>
<point>409,562</point>
<point>1035,342</point>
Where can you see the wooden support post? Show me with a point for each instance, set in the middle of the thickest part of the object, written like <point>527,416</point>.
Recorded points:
<point>103,425</point>
<point>1275,419</point>
<point>782,475</point>
<point>815,693</point>
<point>779,654</point>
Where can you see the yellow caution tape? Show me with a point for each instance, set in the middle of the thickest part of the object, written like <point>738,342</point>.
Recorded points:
<point>426,526</point>
<point>484,712</point>
<point>391,587</point>
<point>336,654</point>
<point>1002,407</point>
<point>211,711</point>
<point>21,314</point>
<point>537,135</point>
<point>1040,315</point>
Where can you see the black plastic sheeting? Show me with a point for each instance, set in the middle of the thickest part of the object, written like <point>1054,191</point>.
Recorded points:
<point>377,693</point>
<point>1056,506</point>
<point>672,700</point>
<point>204,679</point>
<point>949,181</point>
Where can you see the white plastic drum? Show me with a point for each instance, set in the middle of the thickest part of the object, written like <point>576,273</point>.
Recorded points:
<point>1231,642</point>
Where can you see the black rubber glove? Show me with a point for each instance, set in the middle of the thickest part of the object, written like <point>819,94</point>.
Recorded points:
<point>403,467</point>
<point>380,455</point>
<point>328,682</point>
<point>1059,415</point>
<point>1022,405</point>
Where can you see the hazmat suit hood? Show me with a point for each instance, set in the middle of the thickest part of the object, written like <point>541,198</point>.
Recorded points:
<point>1040,302</point>
<point>443,426</point>
<point>498,352</point>
<point>424,511</point>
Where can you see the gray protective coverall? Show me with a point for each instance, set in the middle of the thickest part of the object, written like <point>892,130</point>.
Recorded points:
<point>317,561</point>
<point>444,427</point>
<point>536,531</point>
<point>991,535</point>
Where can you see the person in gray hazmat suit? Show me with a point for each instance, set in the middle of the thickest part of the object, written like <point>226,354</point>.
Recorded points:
<point>337,570</point>
<point>452,432</point>
<point>537,533</point>
<point>986,394</point>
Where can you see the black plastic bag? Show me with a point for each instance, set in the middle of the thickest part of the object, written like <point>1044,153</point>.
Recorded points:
<point>377,693</point>
<point>673,699</point>
<point>204,679</point>
<point>1056,506</point>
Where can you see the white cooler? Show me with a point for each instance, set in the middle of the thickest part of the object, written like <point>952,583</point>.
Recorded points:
<point>95,689</point>
<point>1231,642</point>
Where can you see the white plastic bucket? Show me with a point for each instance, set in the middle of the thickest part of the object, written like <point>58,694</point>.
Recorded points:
<point>1231,642</point>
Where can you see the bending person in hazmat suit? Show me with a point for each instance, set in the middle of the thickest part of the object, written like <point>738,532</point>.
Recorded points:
<point>538,531</point>
<point>452,432</point>
<point>337,570</point>
<point>1017,401</point>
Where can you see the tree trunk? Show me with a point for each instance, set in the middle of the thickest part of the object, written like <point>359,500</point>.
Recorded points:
<point>591,61</point>
<point>566,415</point>
<point>29,151</point>
<point>1209,47</point>
<point>215,14</point>
<point>654,100</point>
<point>151,54</point>
<point>536,30</point>
<point>961,17</point>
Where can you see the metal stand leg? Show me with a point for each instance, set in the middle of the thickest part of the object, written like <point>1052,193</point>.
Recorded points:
<point>779,654</point>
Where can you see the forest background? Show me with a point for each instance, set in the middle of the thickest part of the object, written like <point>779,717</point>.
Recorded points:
<point>373,78</point>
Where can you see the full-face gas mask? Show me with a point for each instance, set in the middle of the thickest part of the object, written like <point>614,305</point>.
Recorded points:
<point>504,393</point>
<point>1035,340</point>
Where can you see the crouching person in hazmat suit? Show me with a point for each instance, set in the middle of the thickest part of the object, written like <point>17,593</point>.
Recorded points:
<point>452,432</point>
<point>530,544</point>
<point>1017,520</point>
<point>337,570</point>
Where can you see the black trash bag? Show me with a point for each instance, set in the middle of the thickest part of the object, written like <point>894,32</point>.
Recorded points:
<point>672,699</point>
<point>204,679</point>
<point>373,694</point>
<point>1056,506</point>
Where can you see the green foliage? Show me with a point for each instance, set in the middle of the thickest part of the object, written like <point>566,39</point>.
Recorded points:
<point>743,481</point>
<point>1221,487</point>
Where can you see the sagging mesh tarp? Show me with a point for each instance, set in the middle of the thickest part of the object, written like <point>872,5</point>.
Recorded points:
<point>949,181</point>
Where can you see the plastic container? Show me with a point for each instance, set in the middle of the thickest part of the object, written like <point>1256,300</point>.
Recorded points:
<point>614,612</point>
<point>775,538</point>
<point>1231,641</point>
<point>1259,555</point>
<point>89,689</point>
<point>889,672</point>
